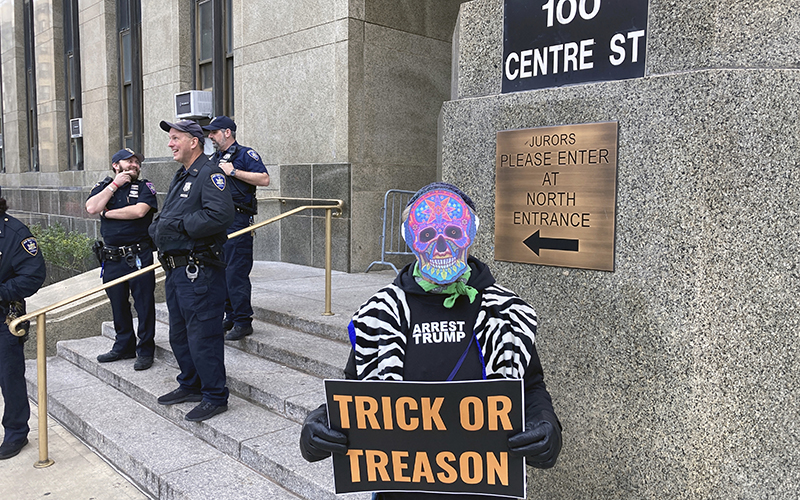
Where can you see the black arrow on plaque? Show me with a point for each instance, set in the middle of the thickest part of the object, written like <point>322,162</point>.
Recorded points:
<point>536,243</point>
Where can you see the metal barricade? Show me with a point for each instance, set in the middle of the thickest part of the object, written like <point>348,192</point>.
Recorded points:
<point>392,242</point>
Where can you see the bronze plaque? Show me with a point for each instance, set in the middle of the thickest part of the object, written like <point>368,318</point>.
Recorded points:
<point>555,196</point>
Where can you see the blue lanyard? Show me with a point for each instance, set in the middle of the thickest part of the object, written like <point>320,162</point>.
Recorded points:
<point>464,355</point>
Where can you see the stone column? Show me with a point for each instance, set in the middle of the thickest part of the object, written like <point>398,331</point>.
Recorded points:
<point>12,58</point>
<point>48,32</point>
<point>100,85</point>
<point>675,375</point>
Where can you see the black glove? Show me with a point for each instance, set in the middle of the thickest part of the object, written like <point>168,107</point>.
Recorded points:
<point>540,442</point>
<point>317,439</point>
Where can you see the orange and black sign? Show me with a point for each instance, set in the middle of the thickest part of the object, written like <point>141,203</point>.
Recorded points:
<point>444,437</point>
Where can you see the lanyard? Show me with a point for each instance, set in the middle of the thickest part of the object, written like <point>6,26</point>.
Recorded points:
<point>464,355</point>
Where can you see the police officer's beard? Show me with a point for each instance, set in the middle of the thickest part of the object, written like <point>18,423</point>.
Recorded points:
<point>3,206</point>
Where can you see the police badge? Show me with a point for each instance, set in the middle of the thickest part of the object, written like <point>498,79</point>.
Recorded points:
<point>30,246</point>
<point>219,181</point>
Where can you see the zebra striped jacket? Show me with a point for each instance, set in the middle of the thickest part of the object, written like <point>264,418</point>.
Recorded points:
<point>505,328</point>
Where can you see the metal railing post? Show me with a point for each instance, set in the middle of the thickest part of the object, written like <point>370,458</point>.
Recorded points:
<point>327,263</point>
<point>41,390</point>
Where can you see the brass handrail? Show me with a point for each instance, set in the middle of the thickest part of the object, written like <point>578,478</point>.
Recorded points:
<point>41,319</point>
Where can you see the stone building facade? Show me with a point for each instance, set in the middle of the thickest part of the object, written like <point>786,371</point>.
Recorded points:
<point>340,98</point>
<point>676,374</point>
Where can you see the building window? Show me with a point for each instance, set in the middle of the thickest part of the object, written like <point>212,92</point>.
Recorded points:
<point>72,67</point>
<point>229,57</point>
<point>30,88</point>
<point>129,28</point>
<point>213,51</point>
<point>2,150</point>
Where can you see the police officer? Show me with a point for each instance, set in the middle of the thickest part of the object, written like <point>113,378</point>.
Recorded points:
<point>126,205</point>
<point>245,171</point>
<point>22,272</point>
<point>189,233</point>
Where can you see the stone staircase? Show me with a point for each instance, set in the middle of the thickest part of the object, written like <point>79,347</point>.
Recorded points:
<point>251,451</point>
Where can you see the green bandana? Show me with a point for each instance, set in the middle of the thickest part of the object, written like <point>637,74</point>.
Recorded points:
<point>460,287</point>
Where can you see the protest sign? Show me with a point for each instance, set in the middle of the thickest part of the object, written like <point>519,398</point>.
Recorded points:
<point>447,437</point>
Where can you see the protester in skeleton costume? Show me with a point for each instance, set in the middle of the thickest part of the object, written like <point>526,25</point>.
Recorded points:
<point>483,331</point>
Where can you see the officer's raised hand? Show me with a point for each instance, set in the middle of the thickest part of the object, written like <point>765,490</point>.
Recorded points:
<point>540,442</point>
<point>317,439</point>
<point>121,179</point>
<point>226,167</point>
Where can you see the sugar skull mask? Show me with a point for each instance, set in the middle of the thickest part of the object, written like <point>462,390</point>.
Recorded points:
<point>439,229</point>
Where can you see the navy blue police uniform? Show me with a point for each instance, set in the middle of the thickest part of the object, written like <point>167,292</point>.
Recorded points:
<point>190,233</point>
<point>22,272</point>
<point>127,248</point>
<point>239,250</point>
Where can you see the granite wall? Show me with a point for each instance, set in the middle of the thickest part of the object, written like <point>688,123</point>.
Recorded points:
<point>677,374</point>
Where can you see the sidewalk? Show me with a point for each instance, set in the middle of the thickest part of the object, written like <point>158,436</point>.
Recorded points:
<point>79,474</point>
<point>76,474</point>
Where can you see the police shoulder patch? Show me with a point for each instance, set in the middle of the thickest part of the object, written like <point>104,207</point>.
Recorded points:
<point>31,246</point>
<point>218,180</point>
<point>253,155</point>
<point>151,187</point>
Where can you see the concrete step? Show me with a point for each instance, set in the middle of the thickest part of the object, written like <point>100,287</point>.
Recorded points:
<point>248,433</point>
<point>162,458</point>
<point>329,327</point>
<point>333,327</point>
<point>278,388</point>
<point>302,350</point>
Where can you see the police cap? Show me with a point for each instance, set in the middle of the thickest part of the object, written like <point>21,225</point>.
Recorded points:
<point>188,126</point>
<point>124,154</point>
<point>221,123</point>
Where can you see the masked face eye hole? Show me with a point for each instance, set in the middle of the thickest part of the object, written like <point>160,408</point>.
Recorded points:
<point>427,234</point>
<point>452,232</point>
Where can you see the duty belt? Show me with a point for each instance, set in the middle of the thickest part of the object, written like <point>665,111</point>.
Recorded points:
<point>169,262</point>
<point>245,210</point>
<point>176,261</point>
<point>117,253</point>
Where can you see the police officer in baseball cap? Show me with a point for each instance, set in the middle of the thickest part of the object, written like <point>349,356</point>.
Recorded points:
<point>126,204</point>
<point>189,233</point>
<point>245,171</point>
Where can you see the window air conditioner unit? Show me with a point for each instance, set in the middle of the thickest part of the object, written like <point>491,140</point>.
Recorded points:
<point>76,128</point>
<point>193,104</point>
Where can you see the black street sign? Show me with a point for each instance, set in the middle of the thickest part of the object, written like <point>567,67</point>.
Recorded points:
<point>551,43</point>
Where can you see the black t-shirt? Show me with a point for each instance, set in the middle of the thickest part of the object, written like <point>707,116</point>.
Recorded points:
<point>118,232</point>
<point>438,337</point>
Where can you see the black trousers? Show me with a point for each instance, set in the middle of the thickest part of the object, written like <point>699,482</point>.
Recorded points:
<point>142,289</point>
<point>12,382</point>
